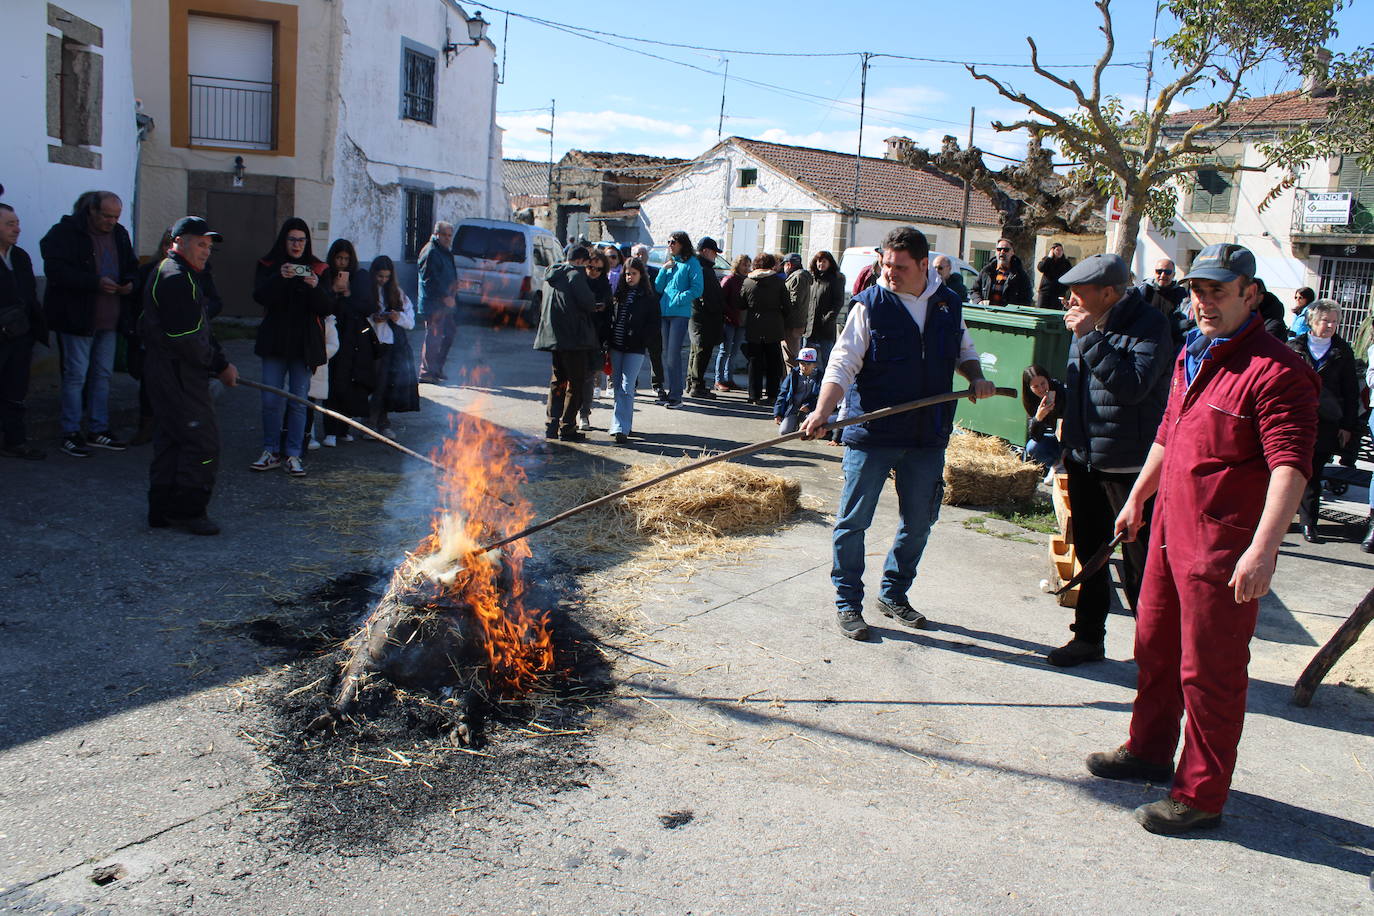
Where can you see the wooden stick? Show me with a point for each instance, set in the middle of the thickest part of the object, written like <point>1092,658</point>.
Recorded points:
<point>366,430</point>
<point>727,456</point>
<point>1335,647</point>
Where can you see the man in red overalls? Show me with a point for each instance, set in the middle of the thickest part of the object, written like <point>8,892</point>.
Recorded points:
<point>1229,463</point>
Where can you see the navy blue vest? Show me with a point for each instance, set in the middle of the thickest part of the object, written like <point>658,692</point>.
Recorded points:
<point>903,364</point>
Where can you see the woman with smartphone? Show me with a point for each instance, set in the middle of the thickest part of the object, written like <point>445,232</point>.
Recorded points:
<point>290,340</point>
<point>397,388</point>
<point>353,370</point>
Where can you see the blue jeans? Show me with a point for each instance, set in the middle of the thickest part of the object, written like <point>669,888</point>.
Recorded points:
<point>674,367</point>
<point>731,339</point>
<point>1371,482</point>
<point>87,358</point>
<point>920,485</point>
<point>1044,451</point>
<point>624,379</point>
<point>276,372</point>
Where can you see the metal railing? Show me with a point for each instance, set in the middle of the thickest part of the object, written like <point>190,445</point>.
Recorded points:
<point>233,112</point>
<point>1361,220</point>
<point>1350,282</point>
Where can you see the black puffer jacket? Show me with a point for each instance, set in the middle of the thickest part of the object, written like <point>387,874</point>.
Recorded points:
<point>765,302</point>
<point>1339,407</point>
<point>18,288</point>
<point>1116,386</point>
<point>73,280</point>
<point>827,297</point>
<point>291,326</point>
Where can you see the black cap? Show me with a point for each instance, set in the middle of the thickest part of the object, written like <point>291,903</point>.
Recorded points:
<point>792,258</point>
<point>1098,270</point>
<point>195,225</point>
<point>708,242</point>
<point>1224,262</point>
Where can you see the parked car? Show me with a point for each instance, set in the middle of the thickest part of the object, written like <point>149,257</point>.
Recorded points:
<point>501,265</point>
<point>854,260</point>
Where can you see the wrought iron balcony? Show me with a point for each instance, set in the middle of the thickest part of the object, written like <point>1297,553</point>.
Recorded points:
<point>233,112</point>
<point>1359,222</point>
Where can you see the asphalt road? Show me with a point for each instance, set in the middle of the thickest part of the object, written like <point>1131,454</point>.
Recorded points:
<point>749,759</point>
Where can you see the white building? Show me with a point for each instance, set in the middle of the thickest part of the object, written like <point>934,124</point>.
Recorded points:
<point>1318,232</point>
<point>367,120</point>
<point>753,196</point>
<point>69,109</point>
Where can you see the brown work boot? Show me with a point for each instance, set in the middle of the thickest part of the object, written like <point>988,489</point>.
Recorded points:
<point>1170,816</point>
<point>1122,764</point>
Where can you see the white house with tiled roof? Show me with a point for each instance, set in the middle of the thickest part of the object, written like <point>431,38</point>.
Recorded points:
<point>1317,233</point>
<point>753,196</point>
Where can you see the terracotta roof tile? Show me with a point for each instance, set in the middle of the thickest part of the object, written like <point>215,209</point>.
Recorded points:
<point>1283,108</point>
<point>885,185</point>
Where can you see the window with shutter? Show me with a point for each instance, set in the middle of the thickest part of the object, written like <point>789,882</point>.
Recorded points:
<point>792,232</point>
<point>232,95</point>
<point>1212,189</point>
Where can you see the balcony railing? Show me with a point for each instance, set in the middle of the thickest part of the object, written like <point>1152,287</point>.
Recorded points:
<point>233,112</point>
<point>1360,221</point>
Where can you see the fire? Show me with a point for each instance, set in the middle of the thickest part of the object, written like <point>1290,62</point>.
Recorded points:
<point>481,501</point>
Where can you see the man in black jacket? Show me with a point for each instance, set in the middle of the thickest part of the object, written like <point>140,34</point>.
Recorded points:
<point>1167,296</point>
<point>566,329</point>
<point>90,265</point>
<point>182,357</point>
<point>1116,386</point>
<point>21,326</point>
<point>707,323</point>
<point>1052,267</point>
<point>1003,281</point>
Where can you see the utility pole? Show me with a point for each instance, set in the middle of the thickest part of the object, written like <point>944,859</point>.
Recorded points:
<point>720,125</point>
<point>858,155</point>
<point>553,213</point>
<point>968,191</point>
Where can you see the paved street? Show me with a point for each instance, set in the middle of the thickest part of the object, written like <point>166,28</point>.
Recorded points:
<point>748,759</point>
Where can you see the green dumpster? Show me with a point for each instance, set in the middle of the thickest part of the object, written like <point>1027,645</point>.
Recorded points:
<point>1009,339</point>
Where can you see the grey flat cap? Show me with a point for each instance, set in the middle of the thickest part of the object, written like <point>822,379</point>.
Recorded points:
<point>1224,262</point>
<point>1098,270</point>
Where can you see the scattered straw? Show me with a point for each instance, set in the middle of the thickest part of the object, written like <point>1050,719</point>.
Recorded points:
<point>982,471</point>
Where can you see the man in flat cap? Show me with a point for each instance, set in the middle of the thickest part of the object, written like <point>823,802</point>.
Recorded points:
<point>1115,387</point>
<point>1229,465</point>
<point>183,356</point>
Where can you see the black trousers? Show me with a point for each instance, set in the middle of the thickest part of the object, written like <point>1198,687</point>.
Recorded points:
<point>186,442</point>
<point>570,368</point>
<point>705,333</point>
<point>1312,494</point>
<point>1096,498</point>
<point>653,345</point>
<point>15,358</point>
<point>765,369</point>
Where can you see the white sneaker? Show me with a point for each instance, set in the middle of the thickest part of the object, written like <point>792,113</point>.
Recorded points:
<point>583,425</point>
<point>312,444</point>
<point>330,442</point>
<point>294,467</point>
<point>348,437</point>
<point>389,432</point>
<point>266,461</point>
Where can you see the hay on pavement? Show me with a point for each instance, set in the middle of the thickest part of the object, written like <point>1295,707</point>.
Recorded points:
<point>982,471</point>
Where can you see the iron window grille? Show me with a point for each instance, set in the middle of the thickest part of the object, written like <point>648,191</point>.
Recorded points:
<point>417,99</point>
<point>417,223</point>
<point>792,232</point>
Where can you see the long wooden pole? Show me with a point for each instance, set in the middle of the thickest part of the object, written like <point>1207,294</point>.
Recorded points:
<point>1344,637</point>
<point>726,456</point>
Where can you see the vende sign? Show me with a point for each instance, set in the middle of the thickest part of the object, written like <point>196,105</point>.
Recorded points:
<point>1330,209</point>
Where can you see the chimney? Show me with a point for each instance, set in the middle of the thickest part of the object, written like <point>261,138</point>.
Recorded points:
<point>1315,83</point>
<point>897,147</point>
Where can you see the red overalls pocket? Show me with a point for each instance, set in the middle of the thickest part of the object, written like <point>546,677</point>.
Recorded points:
<point>1217,549</point>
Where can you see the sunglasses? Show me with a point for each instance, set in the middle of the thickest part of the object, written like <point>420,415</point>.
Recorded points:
<point>1164,272</point>
<point>593,270</point>
<point>1004,249</point>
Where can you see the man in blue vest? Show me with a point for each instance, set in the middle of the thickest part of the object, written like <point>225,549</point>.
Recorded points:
<point>903,340</point>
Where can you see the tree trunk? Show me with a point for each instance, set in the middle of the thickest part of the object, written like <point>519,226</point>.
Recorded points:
<point>1023,241</point>
<point>1128,229</point>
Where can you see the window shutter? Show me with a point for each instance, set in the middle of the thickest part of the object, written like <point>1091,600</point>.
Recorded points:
<point>1212,190</point>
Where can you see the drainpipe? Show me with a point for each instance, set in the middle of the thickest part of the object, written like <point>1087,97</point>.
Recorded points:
<point>145,127</point>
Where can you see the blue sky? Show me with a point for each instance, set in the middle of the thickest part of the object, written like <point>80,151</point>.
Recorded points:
<point>613,99</point>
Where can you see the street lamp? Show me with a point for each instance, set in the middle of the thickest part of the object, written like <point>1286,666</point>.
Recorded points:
<point>553,103</point>
<point>477,30</point>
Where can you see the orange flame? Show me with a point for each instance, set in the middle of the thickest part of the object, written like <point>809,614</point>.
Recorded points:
<point>481,501</point>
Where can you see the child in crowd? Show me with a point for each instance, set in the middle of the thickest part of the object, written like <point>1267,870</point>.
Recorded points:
<point>800,390</point>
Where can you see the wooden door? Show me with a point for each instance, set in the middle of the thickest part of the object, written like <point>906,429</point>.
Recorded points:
<point>248,223</point>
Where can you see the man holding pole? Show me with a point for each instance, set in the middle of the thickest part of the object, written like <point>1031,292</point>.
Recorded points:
<point>1227,469</point>
<point>183,356</point>
<point>903,340</point>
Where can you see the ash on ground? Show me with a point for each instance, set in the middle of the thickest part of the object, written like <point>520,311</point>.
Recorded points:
<point>395,764</point>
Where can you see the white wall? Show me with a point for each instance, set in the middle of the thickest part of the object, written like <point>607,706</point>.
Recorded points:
<point>377,152</point>
<point>41,191</point>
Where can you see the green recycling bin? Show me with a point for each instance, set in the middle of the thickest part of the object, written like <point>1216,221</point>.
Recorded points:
<point>1009,339</point>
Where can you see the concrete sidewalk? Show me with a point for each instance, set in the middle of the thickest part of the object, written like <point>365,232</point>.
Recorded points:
<point>750,760</point>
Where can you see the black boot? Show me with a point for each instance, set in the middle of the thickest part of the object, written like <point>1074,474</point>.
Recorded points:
<point>159,504</point>
<point>1367,545</point>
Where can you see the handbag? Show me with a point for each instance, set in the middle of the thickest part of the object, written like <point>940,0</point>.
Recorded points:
<point>14,322</point>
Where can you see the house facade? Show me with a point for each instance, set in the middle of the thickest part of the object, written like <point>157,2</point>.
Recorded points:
<point>70,115</point>
<point>1317,231</point>
<point>596,194</point>
<point>754,196</point>
<point>369,121</point>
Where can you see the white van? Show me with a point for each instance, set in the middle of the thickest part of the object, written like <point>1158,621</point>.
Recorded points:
<point>854,260</point>
<point>501,265</point>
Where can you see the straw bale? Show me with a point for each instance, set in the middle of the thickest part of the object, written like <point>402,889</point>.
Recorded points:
<point>982,471</point>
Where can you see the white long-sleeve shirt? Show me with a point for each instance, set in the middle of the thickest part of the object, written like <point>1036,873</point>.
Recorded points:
<point>383,328</point>
<point>847,358</point>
